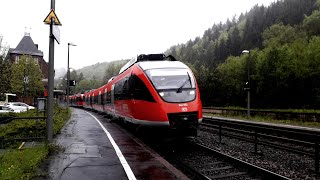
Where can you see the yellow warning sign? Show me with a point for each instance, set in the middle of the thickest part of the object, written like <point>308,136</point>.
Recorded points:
<point>51,15</point>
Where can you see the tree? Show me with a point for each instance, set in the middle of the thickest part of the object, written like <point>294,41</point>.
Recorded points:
<point>234,42</point>
<point>5,72</point>
<point>279,34</point>
<point>112,70</point>
<point>5,76</point>
<point>26,77</point>
<point>312,23</point>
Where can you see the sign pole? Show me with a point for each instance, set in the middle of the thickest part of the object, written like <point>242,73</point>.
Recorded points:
<point>49,122</point>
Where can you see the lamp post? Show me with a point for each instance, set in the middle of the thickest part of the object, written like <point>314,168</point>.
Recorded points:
<point>68,74</point>
<point>248,82</point>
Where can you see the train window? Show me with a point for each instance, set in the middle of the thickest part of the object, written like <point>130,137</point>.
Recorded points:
<point>96,99</point>
<point>99,98</point>
<point>104,98</point>
<point>138,90</point>
<point>171,78</point>
<point>125,88</point>
<point>173,85</point>
<point>121,89</point>
<point>117,90</point>
<point>109,97</point>
<point>92,99</point>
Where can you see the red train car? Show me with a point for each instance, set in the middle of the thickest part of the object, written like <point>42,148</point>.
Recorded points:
<point>151,90</point>
<point>76,100</point>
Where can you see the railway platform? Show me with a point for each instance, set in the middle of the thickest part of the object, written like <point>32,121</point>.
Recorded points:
<point>94,148</point>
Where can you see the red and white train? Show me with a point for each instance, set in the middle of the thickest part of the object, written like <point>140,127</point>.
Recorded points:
<point>151,90</point>
<point>76,100</point>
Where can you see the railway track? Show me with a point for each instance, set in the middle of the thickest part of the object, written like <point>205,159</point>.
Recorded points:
<point>303,148</point>
<point>293,139</point>
<point>202,162</point>
<point>303,116</point>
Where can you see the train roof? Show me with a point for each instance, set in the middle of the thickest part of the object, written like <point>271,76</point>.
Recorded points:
<point>147,57</point>
<point>160,65</point>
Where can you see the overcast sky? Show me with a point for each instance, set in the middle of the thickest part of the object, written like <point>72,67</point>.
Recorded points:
<point>107,30</point>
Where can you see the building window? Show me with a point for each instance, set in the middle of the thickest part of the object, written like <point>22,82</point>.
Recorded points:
<point>36,61</point>
<point>17,59</point>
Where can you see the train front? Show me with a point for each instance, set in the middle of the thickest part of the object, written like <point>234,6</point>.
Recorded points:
<point>175,90</point>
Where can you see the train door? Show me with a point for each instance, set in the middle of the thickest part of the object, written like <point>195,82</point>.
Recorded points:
<point>104,100</point>
<point>112,100</point>
<point>99,102</point>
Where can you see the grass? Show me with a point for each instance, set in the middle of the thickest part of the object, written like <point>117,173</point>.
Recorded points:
<point>270,120</point>
<point>32,128</point>
<point>23,164</point>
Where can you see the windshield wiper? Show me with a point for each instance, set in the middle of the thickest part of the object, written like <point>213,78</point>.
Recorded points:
<point>179,90</point>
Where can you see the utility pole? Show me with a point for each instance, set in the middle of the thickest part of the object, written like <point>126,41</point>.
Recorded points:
<point>49,122</point>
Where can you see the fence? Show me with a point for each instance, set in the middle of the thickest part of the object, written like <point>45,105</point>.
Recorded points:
<point>267,134</point>
<point>4,141</point>
<point>283,115</point>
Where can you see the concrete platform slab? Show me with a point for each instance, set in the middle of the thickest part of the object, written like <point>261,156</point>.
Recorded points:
<point>89,153</point>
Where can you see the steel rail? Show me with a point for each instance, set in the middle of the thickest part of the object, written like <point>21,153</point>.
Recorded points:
<point>303,132</point>
<point>266,173</point>
<point>307,136</point>
<point>190,170</point>
<point>269,144</point>
<point>305,143</point>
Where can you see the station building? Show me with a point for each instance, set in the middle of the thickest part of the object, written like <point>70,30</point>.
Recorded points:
<point>27,47</point>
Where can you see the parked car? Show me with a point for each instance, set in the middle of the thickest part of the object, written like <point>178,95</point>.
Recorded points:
<point>4,109</point>
<point>19,106</point>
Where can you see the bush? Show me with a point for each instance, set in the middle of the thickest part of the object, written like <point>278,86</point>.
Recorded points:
<point>30,128</point>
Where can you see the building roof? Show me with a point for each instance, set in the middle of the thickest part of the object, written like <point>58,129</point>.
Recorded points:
<point>27,46</point>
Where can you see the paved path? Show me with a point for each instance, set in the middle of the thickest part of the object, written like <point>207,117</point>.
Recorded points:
<point>96,149</point>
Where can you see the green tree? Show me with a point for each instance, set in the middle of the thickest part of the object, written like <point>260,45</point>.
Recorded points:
<point>232,77</point>
<point>279,34</point>
<point>312,23</point>
<point>112,70</point>
<point>5,76</point>
<point>26,77</point>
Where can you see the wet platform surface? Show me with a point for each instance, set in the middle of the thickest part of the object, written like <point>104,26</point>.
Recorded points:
<point>88,153</point>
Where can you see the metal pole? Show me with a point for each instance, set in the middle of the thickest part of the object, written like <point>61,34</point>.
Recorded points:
<point>49,122</point>
<point>255,141</point>
<point>248,111</point>
<point>248,87</point>
<point>68,78</point>
<point>316,156</point>
<point>249,82</point>
<point>220,133</point>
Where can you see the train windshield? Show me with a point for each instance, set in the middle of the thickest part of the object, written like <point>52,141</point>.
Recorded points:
<point>173,85</point>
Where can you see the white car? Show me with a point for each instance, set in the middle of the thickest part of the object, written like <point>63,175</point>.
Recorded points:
<point>4,109</point>
<point>18,106</point>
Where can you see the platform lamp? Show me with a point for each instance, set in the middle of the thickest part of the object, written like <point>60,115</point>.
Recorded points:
<point>68,73</point>
<point>248,82</point>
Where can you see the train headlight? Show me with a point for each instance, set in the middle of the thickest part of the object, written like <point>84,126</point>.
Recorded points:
<point>192,92</point>
<point>161,94</point>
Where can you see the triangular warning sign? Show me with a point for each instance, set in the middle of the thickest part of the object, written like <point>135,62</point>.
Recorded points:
<point>53,15</point>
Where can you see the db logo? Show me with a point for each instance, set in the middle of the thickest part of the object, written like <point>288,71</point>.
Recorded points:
<point>184,109</point>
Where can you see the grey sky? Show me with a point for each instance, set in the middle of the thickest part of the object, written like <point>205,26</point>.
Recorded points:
<point>106,30</point>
